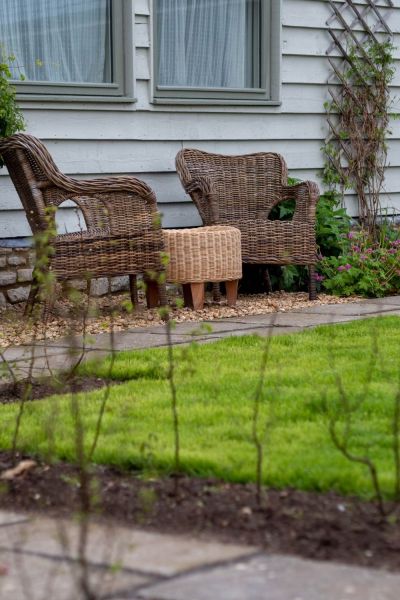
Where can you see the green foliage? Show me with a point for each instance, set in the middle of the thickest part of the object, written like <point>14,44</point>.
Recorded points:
<point>216,409</point>
<point>11,118</point>
<point>364,268</point>
<point>332,225</point>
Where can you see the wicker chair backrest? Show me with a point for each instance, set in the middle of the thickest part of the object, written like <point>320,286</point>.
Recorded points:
<point>241,187</point>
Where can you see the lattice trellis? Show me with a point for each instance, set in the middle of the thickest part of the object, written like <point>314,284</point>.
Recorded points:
<point>353,26</point>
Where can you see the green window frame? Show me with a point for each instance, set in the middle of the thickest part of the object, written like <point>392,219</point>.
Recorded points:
<point>121,88</point>
<point>266,64</point>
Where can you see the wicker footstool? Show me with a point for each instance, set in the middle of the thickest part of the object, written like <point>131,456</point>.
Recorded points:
<point>205,254</point>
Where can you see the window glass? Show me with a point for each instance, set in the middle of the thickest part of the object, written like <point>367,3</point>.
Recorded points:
<point>209,43</point>
<point>58,41</point>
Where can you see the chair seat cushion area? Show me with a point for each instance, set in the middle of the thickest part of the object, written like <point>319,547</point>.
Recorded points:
<point>277,242</point>
<point>97,252</point>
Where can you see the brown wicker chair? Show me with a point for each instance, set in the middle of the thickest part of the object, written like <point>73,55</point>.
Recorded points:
<point>241,191</point>
<point>123,235</point>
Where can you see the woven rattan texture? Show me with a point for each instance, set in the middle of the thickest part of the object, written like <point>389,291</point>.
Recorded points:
<point>203,254</point>
<point>241,191</point>
<point>122,231</point>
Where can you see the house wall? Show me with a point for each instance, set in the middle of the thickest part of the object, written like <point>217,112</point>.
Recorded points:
<point>143,139</point>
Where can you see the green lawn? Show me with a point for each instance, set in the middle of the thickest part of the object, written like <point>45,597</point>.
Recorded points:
<point>216,384</point>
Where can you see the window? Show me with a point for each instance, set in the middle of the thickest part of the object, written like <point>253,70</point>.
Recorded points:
<point>67,47</point>
<point>216,50</point>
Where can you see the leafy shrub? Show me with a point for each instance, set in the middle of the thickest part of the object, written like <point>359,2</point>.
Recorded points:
<point>332,225</point>
<point>11,118</point>
<point>364,268</point>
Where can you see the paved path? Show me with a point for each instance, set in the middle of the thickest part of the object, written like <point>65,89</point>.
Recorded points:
<point>57,354</point>
<point>39,561</point>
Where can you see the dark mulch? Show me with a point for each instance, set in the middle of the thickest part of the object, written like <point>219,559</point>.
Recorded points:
<point>42,389</point>
<point>320,526</point>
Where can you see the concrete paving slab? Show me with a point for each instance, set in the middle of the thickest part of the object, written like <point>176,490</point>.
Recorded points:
<point>11,518</point>
<point>384,301</point>
<point>352,309</point>
<point>206,328</point>
<point>279,578</point>
<point>17,353</point>
<point>141,551</point>
<point>30,577</point>
<point>293,319</point>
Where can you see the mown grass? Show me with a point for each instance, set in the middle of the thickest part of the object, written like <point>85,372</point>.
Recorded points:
<point>216,384</point>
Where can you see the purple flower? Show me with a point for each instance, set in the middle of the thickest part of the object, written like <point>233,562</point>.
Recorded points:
<point>392,251</point>
<point>395,243</point>
<point>344,268</point>
<point>356,248</point>
<point>351,235</point>
<point>318,277</point>
<point>363,257</point>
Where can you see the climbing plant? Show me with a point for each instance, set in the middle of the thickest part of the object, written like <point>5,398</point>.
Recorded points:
<point>359,111</point>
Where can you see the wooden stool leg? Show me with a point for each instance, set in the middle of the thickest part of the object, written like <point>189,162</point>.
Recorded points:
<point>231,291</point>
<point>152,294</point>
<point>193,294</point>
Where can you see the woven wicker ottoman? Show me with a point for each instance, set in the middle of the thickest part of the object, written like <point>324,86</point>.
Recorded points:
<point>204,254</point>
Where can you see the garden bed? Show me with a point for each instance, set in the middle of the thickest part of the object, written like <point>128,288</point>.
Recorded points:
<point>320,526</point>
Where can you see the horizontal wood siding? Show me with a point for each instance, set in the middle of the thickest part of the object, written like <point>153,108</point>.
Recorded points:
<point>142,139</point>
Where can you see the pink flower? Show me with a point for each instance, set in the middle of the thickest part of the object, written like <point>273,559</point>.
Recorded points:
<point>318,277</point>
<point>342,268</point>
<point>392,251</point>
<point>351,235</point>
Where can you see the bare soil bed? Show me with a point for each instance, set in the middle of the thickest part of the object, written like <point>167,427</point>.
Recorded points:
<point>42,389</point>
<point>320,526</point>
<point>16,329</point>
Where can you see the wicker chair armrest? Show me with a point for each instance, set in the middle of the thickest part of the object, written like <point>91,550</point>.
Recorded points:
<point>200,189</point>
<point>108,185</point>
<point>306,195</point>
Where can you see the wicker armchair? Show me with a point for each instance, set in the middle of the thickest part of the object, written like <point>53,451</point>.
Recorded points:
<point>123,235</point>
<point>241,191</point>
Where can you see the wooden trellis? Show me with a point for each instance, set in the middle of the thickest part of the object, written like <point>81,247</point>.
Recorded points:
<point>356,26</point>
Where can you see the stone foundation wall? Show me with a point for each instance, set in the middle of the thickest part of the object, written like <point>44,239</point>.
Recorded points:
<point>16,267</point>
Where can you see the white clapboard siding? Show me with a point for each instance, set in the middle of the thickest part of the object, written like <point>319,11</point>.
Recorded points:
<point>142,139</point>
<point>310,14</point>
<point>167,126</point>
<point>89,158</point>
